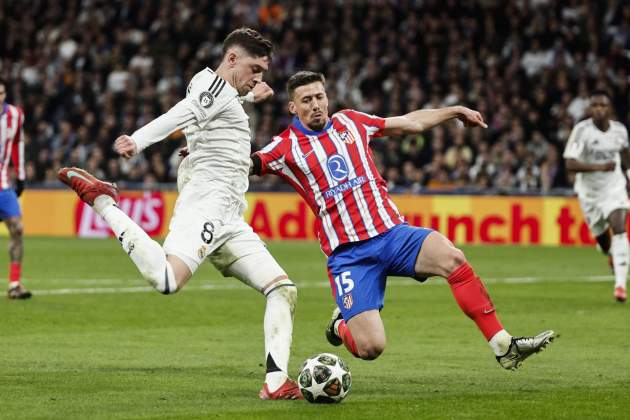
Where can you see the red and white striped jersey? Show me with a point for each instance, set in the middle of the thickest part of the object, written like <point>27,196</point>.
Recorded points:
<point>11,143</point>
<point>333,170</point>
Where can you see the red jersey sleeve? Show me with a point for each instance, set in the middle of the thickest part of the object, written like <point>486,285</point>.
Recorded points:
<point>17,148</point>
<point>375,125</point>
<point>272,156</point>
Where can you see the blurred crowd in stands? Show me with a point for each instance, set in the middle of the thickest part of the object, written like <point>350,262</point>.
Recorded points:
<point>86,71</point>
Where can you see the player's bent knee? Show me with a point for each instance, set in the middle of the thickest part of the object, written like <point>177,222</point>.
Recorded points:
<point>455,258</point>
<point>458,258</point>
<point>371,351</point>
<point>370,346</point>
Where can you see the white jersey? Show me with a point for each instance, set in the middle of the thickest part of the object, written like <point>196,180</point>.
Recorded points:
<point>589,144</point>
<point>218,136</point>
<point>219,139</point>
<point>208,215</point>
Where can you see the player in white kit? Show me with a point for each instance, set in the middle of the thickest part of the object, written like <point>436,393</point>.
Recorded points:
<point>208,217</point>
<point>596,150</point>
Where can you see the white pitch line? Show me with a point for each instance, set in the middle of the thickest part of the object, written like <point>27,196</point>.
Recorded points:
<point>311,285</point>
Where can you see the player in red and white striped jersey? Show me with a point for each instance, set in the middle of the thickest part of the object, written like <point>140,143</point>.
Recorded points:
<point>12,151</point>
<point>335,173</point>
<point>327,160</point>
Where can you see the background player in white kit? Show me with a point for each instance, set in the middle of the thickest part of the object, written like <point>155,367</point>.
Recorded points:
<point>596,149</point>
<point>208,215</point>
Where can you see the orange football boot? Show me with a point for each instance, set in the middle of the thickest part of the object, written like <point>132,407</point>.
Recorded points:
<point>87,186</point>
<point>288,391</point>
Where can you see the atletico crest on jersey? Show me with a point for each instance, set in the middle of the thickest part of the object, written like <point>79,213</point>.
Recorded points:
<point>347,301</point>
<point>346,136</point>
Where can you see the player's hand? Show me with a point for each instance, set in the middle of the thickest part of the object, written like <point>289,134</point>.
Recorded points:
<point>261,92</point>
<point>19,187</point>
<point>125,146</point>
<point>183,152</point>
<point>470,117</point>
<point>609,166</point>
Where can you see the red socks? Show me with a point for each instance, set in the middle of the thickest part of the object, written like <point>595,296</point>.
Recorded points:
<point>472,297</point>
<point>346,337</point>
<point>14,272</point>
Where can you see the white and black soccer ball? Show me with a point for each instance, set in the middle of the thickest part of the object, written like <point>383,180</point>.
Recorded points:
<point>324,378</point>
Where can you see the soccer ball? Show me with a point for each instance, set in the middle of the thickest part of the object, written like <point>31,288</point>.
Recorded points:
<point>324,378</point>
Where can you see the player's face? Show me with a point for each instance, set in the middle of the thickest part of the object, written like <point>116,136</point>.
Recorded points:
<point>310,104</point>
<point>248,71</point>
<point>600,108</point>
<point>3,93</point>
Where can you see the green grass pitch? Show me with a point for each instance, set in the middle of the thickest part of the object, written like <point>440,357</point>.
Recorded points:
<point>94,342</point>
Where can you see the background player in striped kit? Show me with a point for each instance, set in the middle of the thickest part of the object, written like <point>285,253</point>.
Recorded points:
<point>327,160</point>
<point>12,150</point>
<point>596,150</point>
<point>208,219</point>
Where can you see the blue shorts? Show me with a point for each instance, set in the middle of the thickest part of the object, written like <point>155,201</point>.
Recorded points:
<point>358,271</point>
<point>9,206</point>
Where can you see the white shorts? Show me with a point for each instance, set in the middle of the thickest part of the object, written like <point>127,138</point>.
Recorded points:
<point>201,228</point>
<point>246,257</point>
<point>596,210</point>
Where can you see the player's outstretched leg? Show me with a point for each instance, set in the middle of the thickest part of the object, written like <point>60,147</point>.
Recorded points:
<point>438,256</point>
<point>259,270</point>
<point>278,326</point>
<point>147,254</point>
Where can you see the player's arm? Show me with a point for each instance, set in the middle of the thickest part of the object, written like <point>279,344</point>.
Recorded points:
<point>423,119</point>
<point>573,155</point>
<point>17,155</point>
<point>269,159</point>
<point>259,93</point>
<point>575,165</point>
<point>205,99</point>
<point>178,117</point>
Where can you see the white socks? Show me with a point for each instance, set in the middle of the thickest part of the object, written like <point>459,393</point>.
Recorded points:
<point>500,342</point>
<point>620,251</point>
<point>336,327</point>
<point>146,254</point>
<point>278,327</point>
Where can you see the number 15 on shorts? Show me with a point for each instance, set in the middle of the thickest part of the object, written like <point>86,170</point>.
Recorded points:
<point>344,283</point>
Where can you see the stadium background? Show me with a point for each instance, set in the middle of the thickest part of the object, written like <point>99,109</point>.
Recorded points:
<point>97,342</point>
<point>87,71</point>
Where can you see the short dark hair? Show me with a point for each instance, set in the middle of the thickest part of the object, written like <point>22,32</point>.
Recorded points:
<point>250,40</point>
<point>600,92</point>
<point>303,78</point>
<point>3,83</point>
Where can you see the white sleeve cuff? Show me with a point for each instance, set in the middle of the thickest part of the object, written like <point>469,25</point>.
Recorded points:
<point>249,97</point>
